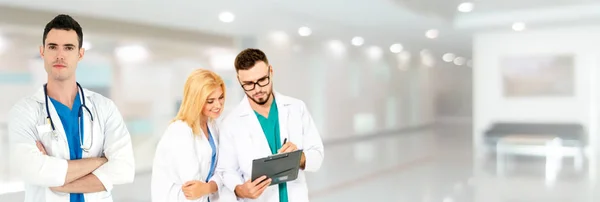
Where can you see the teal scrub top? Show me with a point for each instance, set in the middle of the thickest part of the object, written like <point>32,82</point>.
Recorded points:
<point>69,119</point>
<point>270,127</point>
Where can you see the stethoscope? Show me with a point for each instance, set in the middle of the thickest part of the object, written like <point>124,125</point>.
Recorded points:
<point>79,113</point>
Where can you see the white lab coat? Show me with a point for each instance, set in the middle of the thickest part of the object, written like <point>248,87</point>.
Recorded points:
<point>243,140</point>
<point>27,124</point>
<point>180,157</point>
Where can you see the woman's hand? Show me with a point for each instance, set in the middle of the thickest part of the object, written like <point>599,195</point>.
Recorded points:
<point>196,189</point>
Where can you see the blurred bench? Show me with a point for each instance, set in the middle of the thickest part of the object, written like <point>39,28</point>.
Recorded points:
<point>552,141</point>
<point>571,134</point>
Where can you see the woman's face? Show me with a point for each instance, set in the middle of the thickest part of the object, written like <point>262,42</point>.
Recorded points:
<point>214,104</point>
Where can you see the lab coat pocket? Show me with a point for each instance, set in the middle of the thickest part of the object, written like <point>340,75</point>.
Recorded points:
<point>47,138</point>
<point>55,196</point>
<point>105,196</point>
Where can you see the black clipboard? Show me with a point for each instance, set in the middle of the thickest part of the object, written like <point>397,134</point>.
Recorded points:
<point>279,168</point>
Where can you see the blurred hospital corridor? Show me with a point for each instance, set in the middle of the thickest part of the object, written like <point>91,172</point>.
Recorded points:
<point>416,101</point>
<point>423,164</point>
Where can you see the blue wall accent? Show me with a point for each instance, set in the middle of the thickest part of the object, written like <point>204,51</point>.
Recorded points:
<point>15,78</point>
<point>140,127</point>
<point>94,74</point>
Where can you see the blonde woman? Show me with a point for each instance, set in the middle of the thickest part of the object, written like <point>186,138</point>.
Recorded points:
<point>186,156</point>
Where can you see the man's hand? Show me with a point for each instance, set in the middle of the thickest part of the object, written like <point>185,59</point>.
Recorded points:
<point>40,146</point>
<point>195,189</point>
<point>287,147</point>
<point>252,190</point>
<point>290,147</point>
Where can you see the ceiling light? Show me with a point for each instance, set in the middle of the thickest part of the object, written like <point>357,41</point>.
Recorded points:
<point>518,26</point>
<point>304,31</point>
<point>3,44</point>
<point>403,60</point>
<point>358,41</point>
<point>396,48</point>
<point>87,45</point>
<point>459,61</point>
<point>222,61</point>
<point>280,37</point>
<point>134,53</point>
<point>337,47</point>
<point>374,52</point>
<point>465,7</point>
<point>448,57</point>
<point>226,17</point>
<point>432,33</point>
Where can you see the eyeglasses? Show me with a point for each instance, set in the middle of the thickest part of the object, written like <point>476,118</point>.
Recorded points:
<point>262,82</point>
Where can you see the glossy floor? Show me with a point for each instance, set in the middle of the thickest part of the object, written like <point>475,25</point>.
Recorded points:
<point>429,165</point>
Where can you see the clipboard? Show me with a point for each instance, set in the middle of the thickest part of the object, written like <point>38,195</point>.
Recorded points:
<point>279,168</point>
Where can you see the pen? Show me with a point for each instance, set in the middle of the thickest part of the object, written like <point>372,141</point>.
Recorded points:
<point>284,140</point>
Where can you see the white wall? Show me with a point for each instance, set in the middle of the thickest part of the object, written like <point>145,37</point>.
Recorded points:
<point>490,105</point>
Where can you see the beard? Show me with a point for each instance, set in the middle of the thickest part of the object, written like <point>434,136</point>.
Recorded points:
<point>263,100</point>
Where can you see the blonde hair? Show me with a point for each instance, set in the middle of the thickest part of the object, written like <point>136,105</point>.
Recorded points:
<point>199,85</point>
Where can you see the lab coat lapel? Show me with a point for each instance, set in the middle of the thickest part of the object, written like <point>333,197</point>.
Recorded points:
<point>215,133</point>
<point>59,129</point>
<point>259,141</point>
<point>282,107</point>
<point>88,126</point>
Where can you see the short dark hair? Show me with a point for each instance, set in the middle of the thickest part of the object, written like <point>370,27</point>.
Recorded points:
<point>248,58</point>
<point>64,22</point>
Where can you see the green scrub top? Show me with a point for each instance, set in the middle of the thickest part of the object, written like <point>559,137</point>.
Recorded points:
<point>270,127</point>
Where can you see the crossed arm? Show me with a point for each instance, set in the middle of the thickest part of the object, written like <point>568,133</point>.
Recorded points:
<point>79,177</point>
<point>70,176</point>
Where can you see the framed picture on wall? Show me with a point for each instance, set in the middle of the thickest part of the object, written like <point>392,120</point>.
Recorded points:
<point>538,76</point>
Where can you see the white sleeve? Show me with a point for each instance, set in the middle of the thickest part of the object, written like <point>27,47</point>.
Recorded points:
<point>120,168</point>
<point>182,154</point>
<point>228,167</point>
<point>32,165</point>
<point>313,145</point>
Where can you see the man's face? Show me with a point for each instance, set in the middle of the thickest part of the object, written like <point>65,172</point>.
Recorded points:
<point>256,82</point>
<point>61,53</point>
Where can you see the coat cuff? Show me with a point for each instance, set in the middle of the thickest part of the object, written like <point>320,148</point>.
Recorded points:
<point>108,185</point>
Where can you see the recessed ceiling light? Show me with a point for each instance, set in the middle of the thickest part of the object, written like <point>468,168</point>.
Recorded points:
<point>374,52</point>
<point>459,61</point>
<point>280,37</point>
<point>432,33</point>
<point>3,44</point>
<point>337,47</point>
<point>87,45</point>
<point>358,41</point>
<point>304,31</point>
<point>465,7</point>
<point>396,48</point>
<point>226,17</point>
<point>133,53</point>
<point>448,57</point>
<point>518,26</point>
